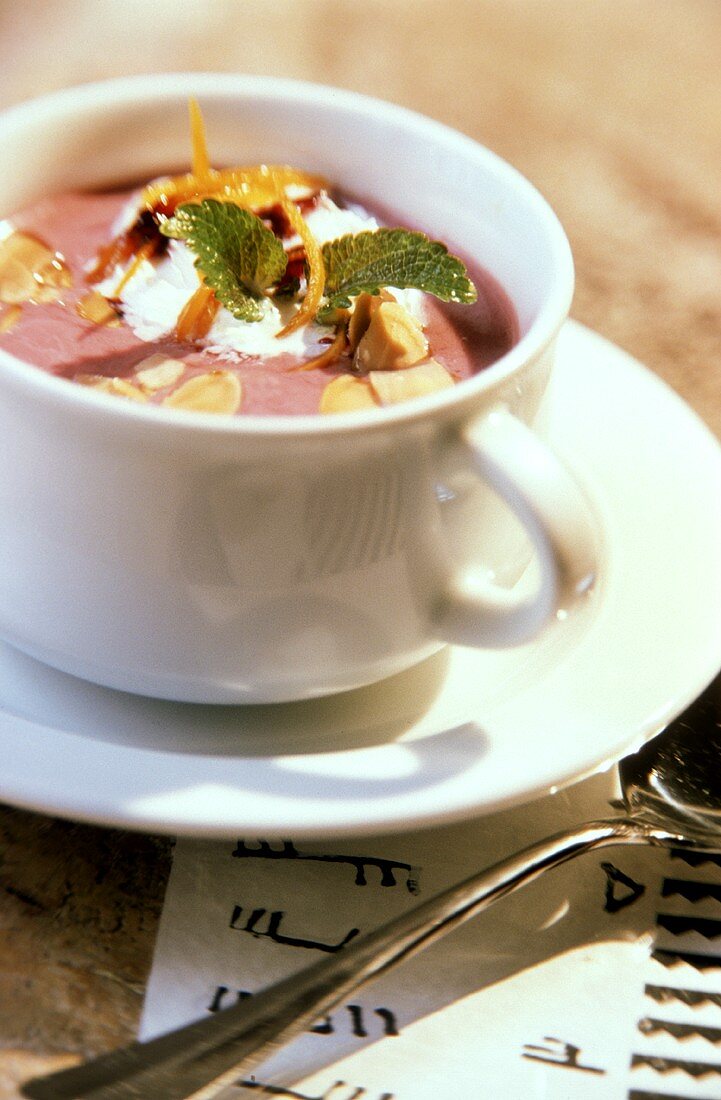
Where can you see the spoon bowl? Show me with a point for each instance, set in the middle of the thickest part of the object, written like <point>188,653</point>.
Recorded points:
<point>671,797</point>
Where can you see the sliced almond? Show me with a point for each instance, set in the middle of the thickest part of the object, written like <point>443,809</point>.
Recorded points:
<point>364,307</point>
<point>217,392</point>
<point>9,316</point>
<point>30,271</point>
<point>359,320</point>
<point>117,386</point>
<point>94,307</point>
<point>390,387</point>
<point>158,371</point>
<point>346,393</point>
<point>393,340</point>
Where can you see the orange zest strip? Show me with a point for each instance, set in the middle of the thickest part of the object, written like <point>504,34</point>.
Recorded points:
<point>327,357</point>
<point>316,269</point>
<point>143,253</point>
<point>200,161</point>
<point>254,186</point>
<point>197,315</point>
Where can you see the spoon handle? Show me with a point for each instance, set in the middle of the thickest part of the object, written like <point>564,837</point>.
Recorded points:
<point>201,1058</point>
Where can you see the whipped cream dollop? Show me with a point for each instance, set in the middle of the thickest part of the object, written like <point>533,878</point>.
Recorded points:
<point>154,297</point>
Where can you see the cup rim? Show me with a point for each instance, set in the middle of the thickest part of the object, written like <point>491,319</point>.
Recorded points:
<point>540,335</point>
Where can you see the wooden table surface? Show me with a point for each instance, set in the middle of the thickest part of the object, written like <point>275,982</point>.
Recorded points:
<point>613,110</point>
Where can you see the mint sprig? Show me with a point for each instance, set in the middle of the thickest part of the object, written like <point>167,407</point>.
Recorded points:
<point>402,258</point>
<point>240,258</point>
<point>237,254</point>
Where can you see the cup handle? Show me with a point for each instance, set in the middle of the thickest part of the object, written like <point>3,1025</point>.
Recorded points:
<point>512,459</point>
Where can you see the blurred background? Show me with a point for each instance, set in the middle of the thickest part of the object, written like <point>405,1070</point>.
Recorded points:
<point>613,110</point>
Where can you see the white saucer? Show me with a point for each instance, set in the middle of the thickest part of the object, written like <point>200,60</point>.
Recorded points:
<point>465,733</point>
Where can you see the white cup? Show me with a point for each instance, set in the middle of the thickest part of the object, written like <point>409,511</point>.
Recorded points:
<point>259,559</point>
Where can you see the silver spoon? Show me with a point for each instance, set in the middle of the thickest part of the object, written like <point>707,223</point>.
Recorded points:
<point>672,797</point>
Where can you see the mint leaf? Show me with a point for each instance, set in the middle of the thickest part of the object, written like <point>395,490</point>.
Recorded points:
<point>401,258</point>
<point>238,256</point>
